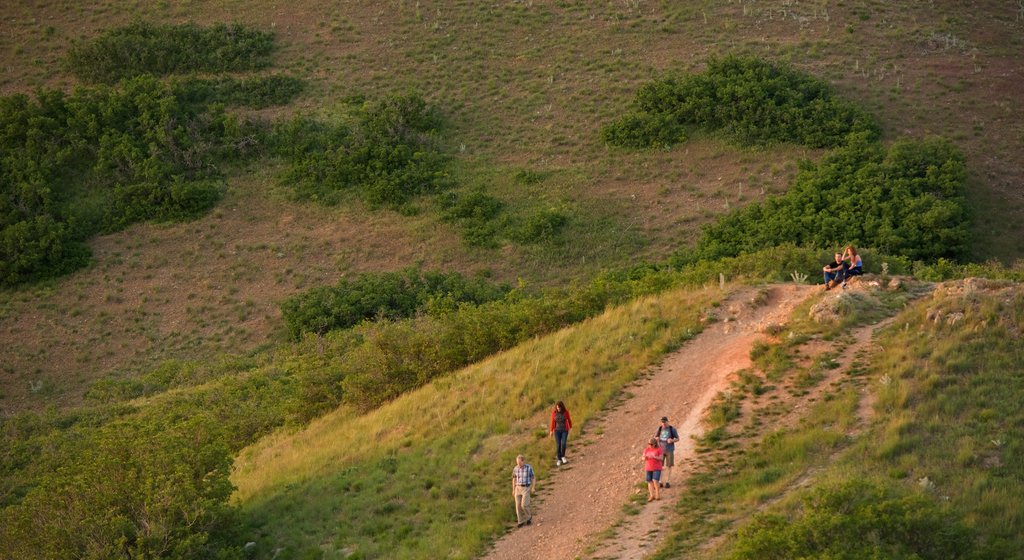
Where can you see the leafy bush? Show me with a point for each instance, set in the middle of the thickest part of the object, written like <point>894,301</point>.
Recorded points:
<point>258,92</point>
<point>98,160</point>
<point>161,49</point>
<point>544,225</point>
<point>908,200</point>
<point>127,491</point>
<point>856,519</point>
<point>475,213</point>
<point>388,155</point>
<point>385,295</point>
<point>640,129</point>
<point>749,99</point>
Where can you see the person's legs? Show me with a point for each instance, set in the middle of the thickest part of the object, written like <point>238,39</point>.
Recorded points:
<point>666,470</point>
<point>651,486</point>
<point>657,482</point>
<point>522,500</point>
<point>561,438</point>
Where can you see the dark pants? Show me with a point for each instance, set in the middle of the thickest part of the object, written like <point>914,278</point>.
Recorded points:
<point>560,440</point>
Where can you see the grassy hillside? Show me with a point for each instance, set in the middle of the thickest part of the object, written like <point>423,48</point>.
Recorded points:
<point>911,445</point>
<point>425,476</point>
<point>525,89</point>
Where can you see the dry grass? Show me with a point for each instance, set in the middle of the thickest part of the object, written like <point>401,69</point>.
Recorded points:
<point>524,85</point>
<point>323,485</point>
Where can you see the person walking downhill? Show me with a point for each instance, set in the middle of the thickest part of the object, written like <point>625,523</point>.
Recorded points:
<point>522,484</point>
<point>667,438</point>
<point>561,423</point>
<point>652,457</point>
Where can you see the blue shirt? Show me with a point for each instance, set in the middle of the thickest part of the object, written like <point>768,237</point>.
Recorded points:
<point>523,475</point>
<point>665,434</point>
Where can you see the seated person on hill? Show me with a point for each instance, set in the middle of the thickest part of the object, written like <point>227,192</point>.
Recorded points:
<point>835,271</point>
<point>855,266</point>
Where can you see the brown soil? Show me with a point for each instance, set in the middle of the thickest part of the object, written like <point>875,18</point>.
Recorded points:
<point>586,496</point>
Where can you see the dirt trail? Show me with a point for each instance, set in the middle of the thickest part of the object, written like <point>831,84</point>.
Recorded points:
<point>586,496</point>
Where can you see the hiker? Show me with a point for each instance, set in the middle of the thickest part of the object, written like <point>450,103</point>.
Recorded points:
<point>522,484</point>
<point>856,265</point>
<point>834,271</point>
<point>652,457</point>
<point>667,438</point>
<point>561,423</point>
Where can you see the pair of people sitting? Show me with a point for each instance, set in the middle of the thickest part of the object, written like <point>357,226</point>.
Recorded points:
<point>839,270</point>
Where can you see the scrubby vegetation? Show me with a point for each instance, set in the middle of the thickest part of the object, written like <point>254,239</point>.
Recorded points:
<point>387,152</point>
<point>98,160</point>
<point>71,463</point>
<point>394,480</point>
<point>748,99</point>
<point>935,476</point>
<point>255,92</point>
<point>857,519</point>
<point>908,200</point>
<point>384,295</point>
<point>161,49</point>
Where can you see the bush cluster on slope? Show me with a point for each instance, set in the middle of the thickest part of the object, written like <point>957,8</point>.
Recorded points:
<point>387,153</point>
<point>98,160</point>
<point>906,200</point>
<point>382,295</point>
<point>751,100</point>
<point>161,49</point>
<point>256,92</point>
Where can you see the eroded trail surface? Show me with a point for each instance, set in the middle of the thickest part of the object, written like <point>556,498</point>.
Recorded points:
<point>585,497</point>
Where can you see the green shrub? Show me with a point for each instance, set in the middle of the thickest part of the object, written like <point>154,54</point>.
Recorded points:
<point>475,213</point>
<point>387,155</point>
<point>750,100</point>
<point>908,200</point>
<point>127,491</point>
<point>853,520</point>
<point>161,49</point>
<point>641,129</point>
<point>258,92</point>
<point>98,160</point>
<point>544,225</point>
<point>385,295</point>
<point>38,247</point>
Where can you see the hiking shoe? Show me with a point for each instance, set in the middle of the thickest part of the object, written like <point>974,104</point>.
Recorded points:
<point>529,521</point>
<point>518,525</point>
<point>667,485</point>
<point>564,460</point>
<point>661,485</point>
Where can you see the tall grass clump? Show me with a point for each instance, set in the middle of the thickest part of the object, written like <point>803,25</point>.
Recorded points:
<point>387,152</point>
<point>750,100</point>
<point>161,49</point>
<point>856,519</point>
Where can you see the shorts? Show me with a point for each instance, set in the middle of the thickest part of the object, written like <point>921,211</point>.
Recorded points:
<point>670,459</point>
<point>653,476</point>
